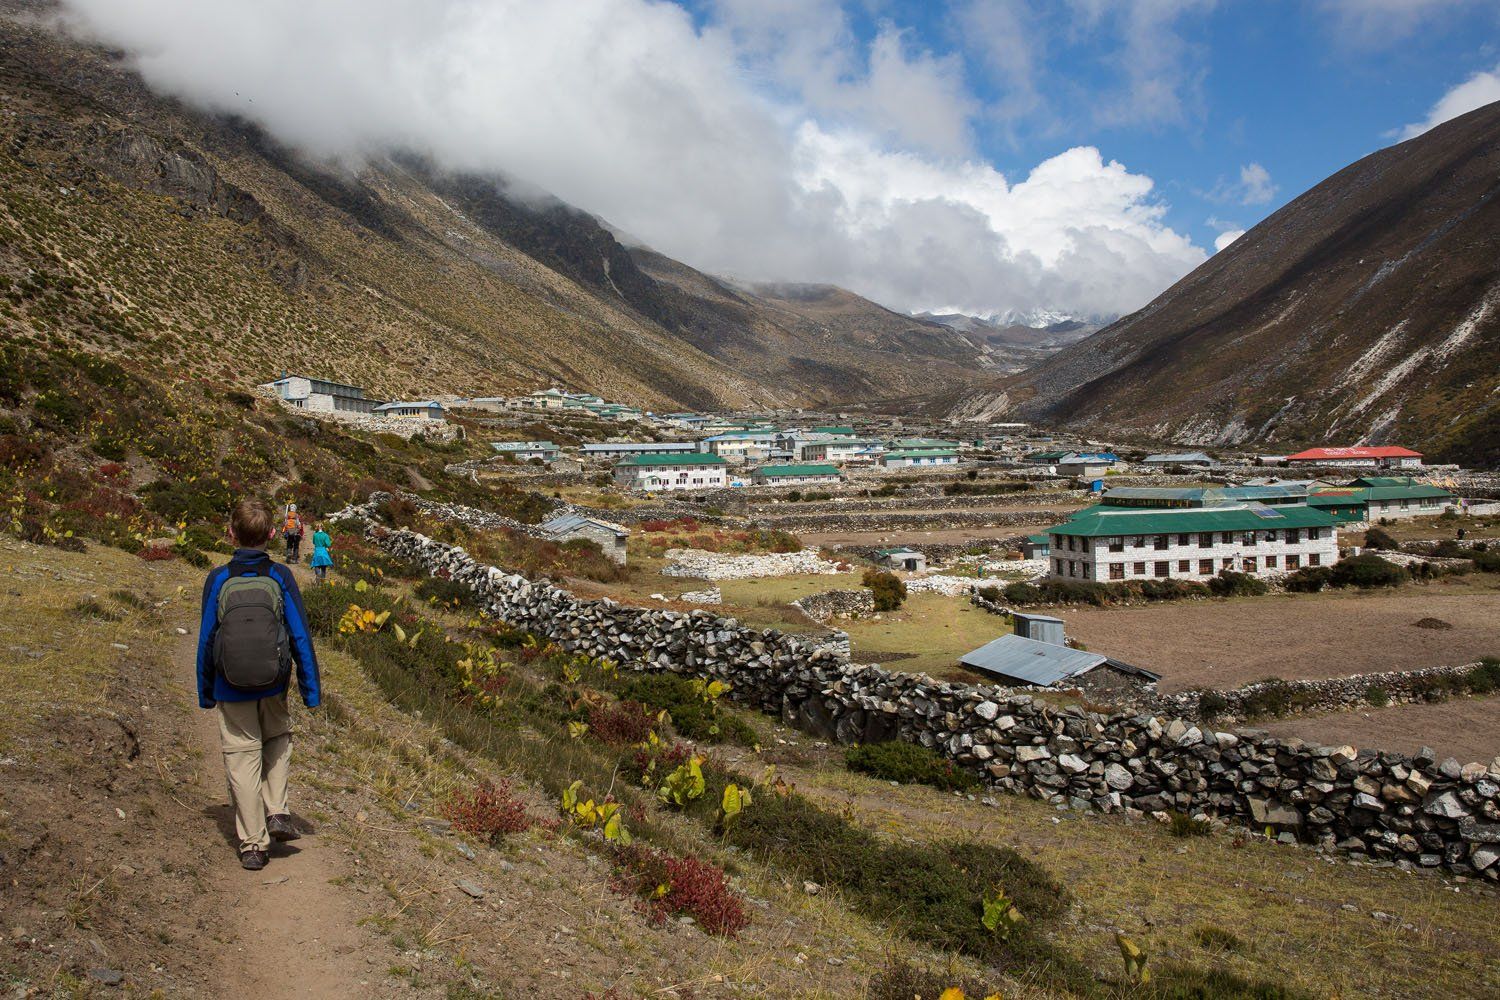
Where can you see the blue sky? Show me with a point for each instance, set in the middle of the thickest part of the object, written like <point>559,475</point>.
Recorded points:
<point>1006,158</point>
<point>1299,88</point>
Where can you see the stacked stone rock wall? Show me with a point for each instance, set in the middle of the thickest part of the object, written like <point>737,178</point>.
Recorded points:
<point>1331,694</point>
<point>1384,806</point>
<point>837,604</point>
<point>701,565</point>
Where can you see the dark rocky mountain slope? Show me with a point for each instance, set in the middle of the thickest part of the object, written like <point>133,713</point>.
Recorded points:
<point>1366,310</point>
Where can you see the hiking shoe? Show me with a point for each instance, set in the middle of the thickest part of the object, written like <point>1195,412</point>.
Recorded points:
<point>253,860</point>
<point>282,828</point>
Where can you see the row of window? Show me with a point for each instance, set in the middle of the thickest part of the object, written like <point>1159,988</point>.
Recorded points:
<point>1203,539</point>
<point>1185,567</point>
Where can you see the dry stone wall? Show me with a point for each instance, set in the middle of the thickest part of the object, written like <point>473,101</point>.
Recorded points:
<point>1387,807</point>
<point>837,604</point>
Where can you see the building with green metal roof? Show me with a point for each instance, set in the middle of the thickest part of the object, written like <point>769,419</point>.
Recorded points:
<point>684,471</point>
<point>795,475</point>
<point>1104,543</point>
<point>908,459</point>
<point>1376,497</point>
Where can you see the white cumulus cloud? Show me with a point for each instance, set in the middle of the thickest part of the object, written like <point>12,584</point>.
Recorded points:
<point>1224,239</point>
<point>1255,184</point>
<point>741,146</point>
<point>1478,90</point>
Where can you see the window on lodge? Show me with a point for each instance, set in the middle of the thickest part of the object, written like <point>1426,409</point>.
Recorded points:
<point>1161,543</point>
<point>1117,545</point>
<point>1163,568</point>
<point>1206,540</point>
<point>1206,567</point>
<point>1117,571</point>
<point>1140,569</point>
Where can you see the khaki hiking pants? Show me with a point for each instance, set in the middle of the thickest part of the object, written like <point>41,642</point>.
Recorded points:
<point>256,737</point>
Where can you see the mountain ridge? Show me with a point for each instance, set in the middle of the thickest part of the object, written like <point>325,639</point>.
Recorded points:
<point>1367,309</point>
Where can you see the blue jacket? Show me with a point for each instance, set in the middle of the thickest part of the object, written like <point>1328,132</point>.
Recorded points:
<point>212,688</point>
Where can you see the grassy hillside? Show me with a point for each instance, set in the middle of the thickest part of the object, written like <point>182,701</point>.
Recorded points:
<point>196,244</point>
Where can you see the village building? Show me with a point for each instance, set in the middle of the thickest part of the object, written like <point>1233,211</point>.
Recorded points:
<point>1110,544</point>
<point>1167,497</point>
<point>620,449</point>
<point>902,558</point>
<point>525,451</point>
<point>1036,547</point>
<point>795,475</point>
<point>1384,457</point>
<point>659,473</point>
<point>1091,466</point>
<point>542,399</point>
<point>1046,457</point>
<point>321,395</point>
<point>741,446</point>
<point>612,539</point>
<point>425,409</point>
<point>923,444</point>
<point>1186,459</point>
<point>1036,654</point>
<point>1371,498</point>
<point>914,459</point>
<point>860,451</point>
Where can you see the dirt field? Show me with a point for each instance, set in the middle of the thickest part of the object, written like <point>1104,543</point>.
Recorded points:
<point>1466,728</point>
<point>1229,643</point>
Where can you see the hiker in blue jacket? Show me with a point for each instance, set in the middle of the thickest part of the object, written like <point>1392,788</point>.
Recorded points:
<point>254,628</point>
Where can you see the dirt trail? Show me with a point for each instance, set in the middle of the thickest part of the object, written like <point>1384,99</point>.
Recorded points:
<point>298,934</point>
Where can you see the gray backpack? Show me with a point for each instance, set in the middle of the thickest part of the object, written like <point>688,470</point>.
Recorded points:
<point>251,648</point>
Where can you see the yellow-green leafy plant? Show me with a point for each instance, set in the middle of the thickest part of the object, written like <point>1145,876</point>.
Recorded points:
<point>684,784</point>
<point>358,619</point>
<point>733,803</point>
<point>1135,959</point>
<point>602,816</point>
<point>1000,916</point>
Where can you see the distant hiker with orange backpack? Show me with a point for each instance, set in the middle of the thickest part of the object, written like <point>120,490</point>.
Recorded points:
<point>253,630</point>
<point>291,530</point>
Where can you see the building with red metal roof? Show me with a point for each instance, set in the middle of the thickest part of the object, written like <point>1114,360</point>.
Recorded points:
<point>1388,457</point>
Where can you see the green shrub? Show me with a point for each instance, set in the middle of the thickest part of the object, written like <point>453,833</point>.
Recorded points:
<point>1184,825</point>
<point>910,764</point>
<point>1231,584</point>
<point>1212,704</point>
<point>1485,561</point>
<point>1217,938</point>
<point>1379,538</point>
<point>1308,580</point>
<point>692,717</point>
<point>1023,593</point>
<point>889,590</point>
<point>437,590</point>
<point>1378,696</point>
<point>1485,678</point>
<point>1366,571</point>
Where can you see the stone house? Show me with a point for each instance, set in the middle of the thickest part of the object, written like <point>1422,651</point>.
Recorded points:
<point>425,409</point>
<point>902,558</point>
<point>612,539</point>
<point>321,395</point>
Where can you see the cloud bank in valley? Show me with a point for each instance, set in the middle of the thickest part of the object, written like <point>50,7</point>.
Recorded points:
<point>715,143</point>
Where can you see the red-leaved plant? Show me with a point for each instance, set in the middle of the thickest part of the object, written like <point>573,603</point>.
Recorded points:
<point>489,811</point>
<point>668,886</point>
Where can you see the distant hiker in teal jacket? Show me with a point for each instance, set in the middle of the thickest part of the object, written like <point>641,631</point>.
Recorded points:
<point>321,560</point>
<point>254,629</point>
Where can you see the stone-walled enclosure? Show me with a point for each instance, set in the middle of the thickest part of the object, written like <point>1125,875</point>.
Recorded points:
<point>1377,805</point>
<point>832,604</point>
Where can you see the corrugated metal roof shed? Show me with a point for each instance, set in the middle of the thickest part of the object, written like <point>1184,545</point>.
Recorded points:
<point>680,458</point>
<point>1017,659</point>
<point>567,522</point>
<point>1028,661</point>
